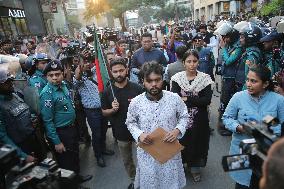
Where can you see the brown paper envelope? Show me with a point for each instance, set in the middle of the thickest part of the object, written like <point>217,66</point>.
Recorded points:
<point>159,150</point>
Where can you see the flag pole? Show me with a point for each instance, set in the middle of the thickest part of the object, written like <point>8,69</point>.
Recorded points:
<point>104,62</point>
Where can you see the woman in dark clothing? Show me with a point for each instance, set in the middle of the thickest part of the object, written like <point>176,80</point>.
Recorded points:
<point>194,87</point>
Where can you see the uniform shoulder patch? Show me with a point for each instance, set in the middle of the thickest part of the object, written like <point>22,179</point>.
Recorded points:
<point>37,84</point>
<point>47,103</point>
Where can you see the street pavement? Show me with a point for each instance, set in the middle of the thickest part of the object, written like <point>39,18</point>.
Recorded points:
<point>114,175</point>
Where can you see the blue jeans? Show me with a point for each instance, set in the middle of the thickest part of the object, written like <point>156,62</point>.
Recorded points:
<point>94,118</point>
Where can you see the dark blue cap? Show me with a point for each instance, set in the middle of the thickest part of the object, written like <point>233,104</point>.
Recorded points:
<point>53,65</point>
<point>274,35</point>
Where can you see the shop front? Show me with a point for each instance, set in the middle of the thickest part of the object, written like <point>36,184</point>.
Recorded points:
<point>13,22</point>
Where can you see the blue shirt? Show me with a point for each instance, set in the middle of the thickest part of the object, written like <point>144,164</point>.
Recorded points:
<point>89,92</point>
<point>242,108</point>
<point>141,56</point>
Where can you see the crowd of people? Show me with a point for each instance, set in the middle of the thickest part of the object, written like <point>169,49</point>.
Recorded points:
<point>165,81</point>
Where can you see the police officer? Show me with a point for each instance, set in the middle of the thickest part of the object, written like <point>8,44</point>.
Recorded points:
<point>250,35</point>
<point>206,58</point>
<point>58,114</point>
<point>273,53</point>
<point>16,126</point>
<point>37,78</point>
<point>230,53</point>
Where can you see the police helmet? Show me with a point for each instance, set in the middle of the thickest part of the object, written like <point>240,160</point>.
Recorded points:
<point>224,29</point>
<point>252,33</point>
<point>40,57</point>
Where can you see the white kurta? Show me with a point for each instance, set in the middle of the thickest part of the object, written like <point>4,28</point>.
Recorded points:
<point>145,116</point>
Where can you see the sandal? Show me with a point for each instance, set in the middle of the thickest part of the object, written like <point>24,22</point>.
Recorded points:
<point>196,177</point>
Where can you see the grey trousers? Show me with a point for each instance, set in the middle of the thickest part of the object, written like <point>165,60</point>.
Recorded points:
<point>125,149</point>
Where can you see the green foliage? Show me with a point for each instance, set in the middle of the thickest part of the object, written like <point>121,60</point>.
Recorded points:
<point>117,7</point>
<point>169,12</point>
<point>146,13</point>
<point>272,8</point>
<point>95,9</point>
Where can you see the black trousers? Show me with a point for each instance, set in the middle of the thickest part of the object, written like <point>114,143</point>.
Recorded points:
<point>98,125</point>
<point>82,124</point>
<point>70,158</point>
<point>228,90</point>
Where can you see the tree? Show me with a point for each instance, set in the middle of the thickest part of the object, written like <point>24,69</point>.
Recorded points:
<point>168,12</point>
<point>117,7</point>
<point>272,8</point>
<point>146,13</point>
<point>95,8</point>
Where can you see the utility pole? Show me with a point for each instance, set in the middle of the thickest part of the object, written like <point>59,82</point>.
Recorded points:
<point>176,11</point>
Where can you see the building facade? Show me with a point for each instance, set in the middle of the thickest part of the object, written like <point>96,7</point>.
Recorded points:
<point>16,19</point>
<point>205,10</point>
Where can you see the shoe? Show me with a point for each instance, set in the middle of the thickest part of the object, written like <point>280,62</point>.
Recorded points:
<point>196,177</point>
<point>101,162</point>
<point>85,178</point>
<point>131,186</point>
<point>108,152</point>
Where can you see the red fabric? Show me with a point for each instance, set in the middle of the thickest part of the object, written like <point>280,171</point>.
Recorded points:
<point>99,76</point>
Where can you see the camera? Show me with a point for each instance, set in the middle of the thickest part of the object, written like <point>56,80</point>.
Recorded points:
<point>16,174</point>
<point>73,49</point>
<point>253,151</point>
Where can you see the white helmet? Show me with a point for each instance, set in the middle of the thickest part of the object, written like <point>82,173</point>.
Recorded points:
<point>238,26</point>
<point>224,29</point>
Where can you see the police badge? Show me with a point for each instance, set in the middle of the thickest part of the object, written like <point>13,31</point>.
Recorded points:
<point>37,84</point>
<point>53,65</point>
<point>47,103</point>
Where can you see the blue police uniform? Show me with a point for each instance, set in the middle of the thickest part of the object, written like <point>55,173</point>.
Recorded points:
<point>38,80</point>
<point>206,61</point>
<point>16,126</point>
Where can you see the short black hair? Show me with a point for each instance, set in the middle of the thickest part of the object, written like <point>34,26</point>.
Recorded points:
<point>180,51</point>
<point>150,67</point>
<point>118,61</point>
<point>203,26</point>
<point>146,35</point>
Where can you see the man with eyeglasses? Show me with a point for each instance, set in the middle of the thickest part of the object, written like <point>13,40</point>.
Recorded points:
<point>58,115</point>
<point>206,58</point>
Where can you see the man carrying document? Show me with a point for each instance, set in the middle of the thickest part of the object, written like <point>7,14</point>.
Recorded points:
<point>151,111</point>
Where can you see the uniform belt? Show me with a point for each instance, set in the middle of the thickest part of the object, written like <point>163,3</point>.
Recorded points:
<point>65,127</point>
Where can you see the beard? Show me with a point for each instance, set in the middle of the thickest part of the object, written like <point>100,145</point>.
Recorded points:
<point>119,79</point>
<point>154,91</point>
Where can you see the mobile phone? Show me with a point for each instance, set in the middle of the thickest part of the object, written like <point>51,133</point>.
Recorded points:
<point>236,162</point>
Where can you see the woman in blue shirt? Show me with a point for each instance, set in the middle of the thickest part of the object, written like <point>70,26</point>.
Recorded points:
<point>252,104</point>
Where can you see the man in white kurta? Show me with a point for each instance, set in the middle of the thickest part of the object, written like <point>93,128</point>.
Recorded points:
<point>144,116</point>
